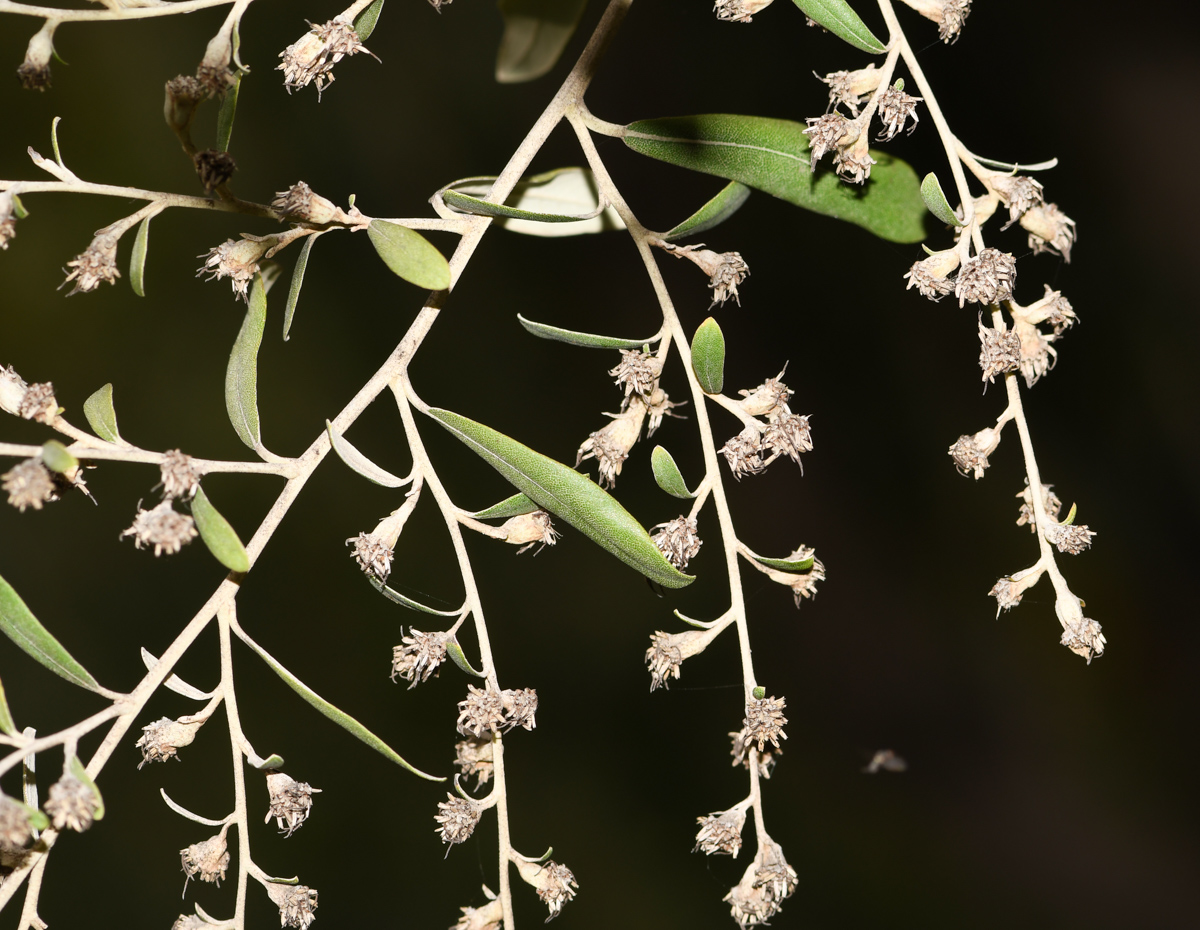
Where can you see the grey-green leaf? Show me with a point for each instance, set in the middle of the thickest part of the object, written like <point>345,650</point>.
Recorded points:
<point>477,207</point>
<point>227,112</point>
<point>727,202</point>
<point>273,761</point>
<point>667,474</point>
<point>358,462</point>
<point>23,628</point>
<point>786,565</point>
<point>338,716</point>
<point>218,535</point>
<point>772,155</point>
<point>75,767</point>
<point>137,258</point>
<point>843,22</point>
<point>459,658</point>
<point>241,377</point>
<point>101,417</point>
<point>6,719</point>
<point>293,296</point>
<point>935,200</point>
<point>513,506</point>
<point>535,34</point>
<point>568,495</point>
<point>591,340</point>
<point>410,255</point>
<point>708,356</point>
<point>397,598</point>
<point>364,23</point>
<point>563,202</point>
<point>174,682</point>
<point>56,457</point>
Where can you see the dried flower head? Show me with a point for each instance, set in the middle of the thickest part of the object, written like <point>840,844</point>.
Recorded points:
<point>744,453</point>
<point>530,529</point>
<point>853,161</point>
<point>179,475</point>
<point>488,917</point>
<point>659,405</point>
<point>1050,230</point>
<point>849,88</point>
<point>948,14</point>
<point>769,399</point>
<point>473,756</point>
<point>739,11</point>
<point>373,554</point>
<point>1053,308</point>
<point>34,72</point>
<point>610,446</point>
<point>725,270</point>
<point>300,202</point>
<point>987,278</point>
<point>190,922</point>
<point>1000,351</point>
<point>638,372</point>
<point>895,109</point>
<point>163,528</point>
<point>1038,356</point>
<point>8,219</point>
<point>1009,591</point>
<point>296,904</point>
<point>206,861</point>
<point>1050,503</point>
<point>181,96</point>
<point>213,168</point>
<point>1072,539</point>
<point>765,721</point>
<point>163,738</point>
<point>825,134</point>
<point>760,894</point>
<point>312,57</point>
<point>457,818</point>
<point>16,831</point>
<point>520,708</point>
<point>554,883</point>
<point>721,833</point>
<point>72,804</point>
<point>12,390</point>
<point>1084,639</point>
<point>667,652</point>
<point>481,712</point>
<point>970,453</point>
<point>418,656</point>
<point>787,434</point>
<point>290,802</point>
<point>742,744</point>
<point>39,403</point>
<point>678,541</point>
<point>236,259</point>
<point>1018,192</point>
<point>930,276</point>
<point>29,484</point>
<point>96,264</point>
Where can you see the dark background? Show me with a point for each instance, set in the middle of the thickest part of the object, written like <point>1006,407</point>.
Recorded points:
<point>1041,791</point>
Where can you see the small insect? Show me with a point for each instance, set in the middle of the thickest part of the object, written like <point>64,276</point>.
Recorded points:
<point>886,760</point>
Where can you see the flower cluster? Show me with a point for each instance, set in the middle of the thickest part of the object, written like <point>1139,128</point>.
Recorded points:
<point>290,802</point>
<point>768,881</point>
<point>311,58</point>
<point>487,710</point>
<point>785,433</point>
<point>418,656</point>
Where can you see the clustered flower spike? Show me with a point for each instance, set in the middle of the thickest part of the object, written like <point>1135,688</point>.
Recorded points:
<point>457,818</point>
<point>163,528</point>
<point>486,710</point>
<point>678,541</point>
<point>296,904</point>
<point>554,883</point>
<point>721,833</point>
<point>667,652</point>
<point>290,802</point>
<point>72,804</point>
<point>418,656</point>
<point>207,861</point>
<point>760,894</point>
<point>162,739</point>
<point>312,57</point>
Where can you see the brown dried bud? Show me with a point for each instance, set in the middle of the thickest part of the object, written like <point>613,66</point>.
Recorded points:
<point>853,162</point>
<point>895,109</point>
<point>848,88</point>
<point>213,168</point>
<point>948,14</point>
<point>1050,503</point>
<point>162,739</point>
<point>34,72</point>
<point>769,399</point>
<point>163,528</point>
<point>1018,192</point>
<point>290,802</point>
<point>38,403</point>
<point>787,434</point>
<point>765,721</point>
<point>488,917</point>
<point>970,453</point>
<point>744,453</point>
<point>72,804</point>
<point>1009,591</point>
<point>8,221</point>
<point>1084,639</point>
<point>373,554</point>
<point>1072,539</point>
<point>999,352</point>
<point>825,134</point>
<point>739,11</point>
<point>300,202</point>
<point>742,745</point>
<point>1050,230</point>
<point>489,711</point>
<point>638,372</point>
<point>208,860</point>
<point>930,276</point>
<point>296,904</point>
<point>181,96</point>
<point>16,831</point>
<point>12,390</point>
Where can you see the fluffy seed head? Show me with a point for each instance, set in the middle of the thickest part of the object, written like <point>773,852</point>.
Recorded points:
<point>554,883</point>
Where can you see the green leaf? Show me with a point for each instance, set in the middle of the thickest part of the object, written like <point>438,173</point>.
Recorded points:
<point>137,258</point>
<point>218,535</point>
<point>20,625</point>
<point>545,331</point>
<point>935,200</point>
<point>786,565</point>
<point>549,205</point>
<point>397,598</point>
<point>75,767</point>
<point>358,462</point>
<point>727,202</point>
<point>19,210</point>
<point>56,457</point>
<point>513,506</point>
<point>36,818</point>
<point>338,716</point>
<point>273,761</point>
<point>843,22</point>
<point>6,719</point>
<point>227,112</point>
<point>667,474</point>
<point>241,377</point>
<point>364,23</point>
<point>708,356</point>
<point>535,34</point>
<point>293,296</point>
<point>101,417</point>
<point>568,495</point>
<point>772,155</point>
<point>410,255</point>
<point>459,658</point>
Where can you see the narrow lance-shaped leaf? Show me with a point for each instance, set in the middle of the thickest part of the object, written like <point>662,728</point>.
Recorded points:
<point>589,340</point>
<point>843,22</point>
<point>935,200</point>
<point>772,155</point>
<point>338,716</point>
<point>397,598</point>
<point>708,356</point>
<point>101,417</point>
<point>227,113</point>
<point>218,535</point>
<point>568,495</point>
<point>241,377</point>
<point>6,719</point>
<point>726,203</point>
<point>293,296</point>
<point>477,207</point>
<point>535,34</point>
<point>667,475</point>
<point>563,202</point>
<point>75,767</point>
<point>137,258</point>
<point>459,658</point>
<point>786,565</point>
<point>23,628</point>
<point>364,23</point>
<point>513,506</point>
<point>358,462</point>
<point>410,255</point>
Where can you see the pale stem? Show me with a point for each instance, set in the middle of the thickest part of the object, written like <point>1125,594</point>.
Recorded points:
<point>225,613</point>
<point>112,452</point>
<point>100,16</point>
